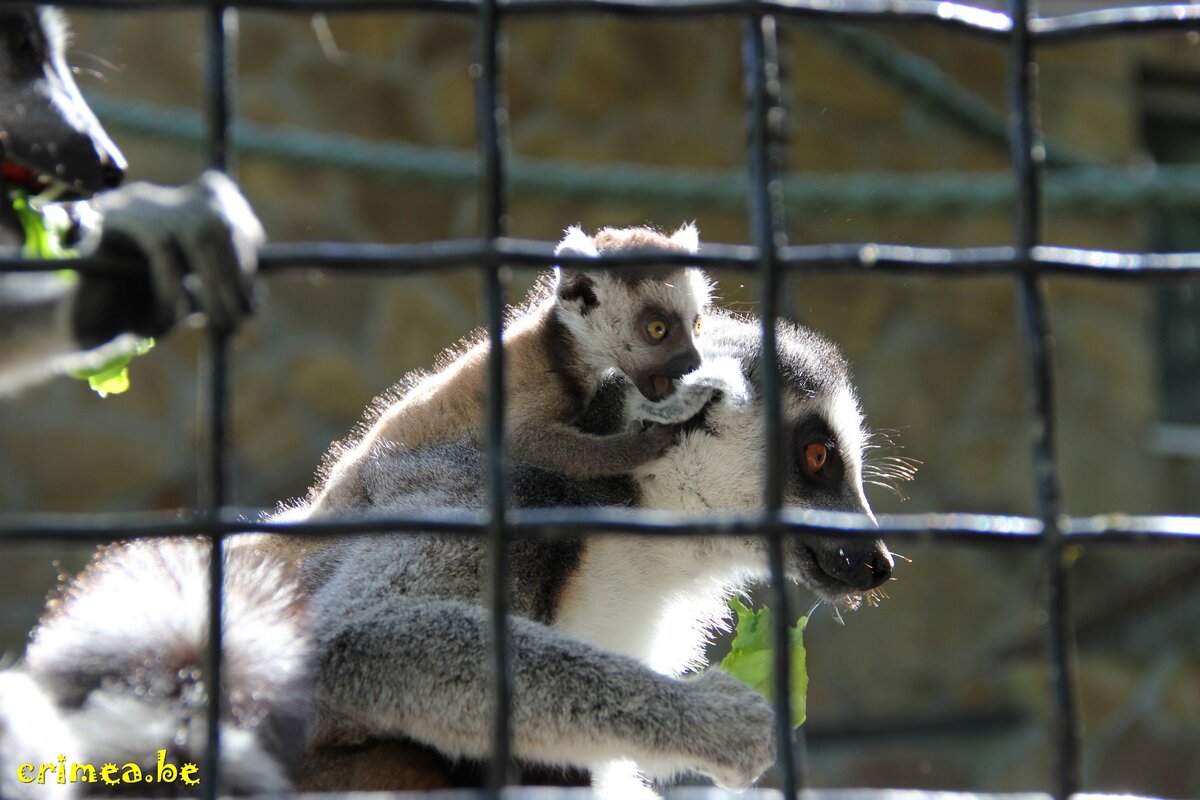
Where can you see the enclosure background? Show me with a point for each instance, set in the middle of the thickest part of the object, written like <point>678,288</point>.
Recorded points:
<point>941,686</point>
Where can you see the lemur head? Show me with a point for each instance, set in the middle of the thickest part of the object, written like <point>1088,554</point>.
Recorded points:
<point>719,457</point>
<point>645,322</point>
<point>49,137</point>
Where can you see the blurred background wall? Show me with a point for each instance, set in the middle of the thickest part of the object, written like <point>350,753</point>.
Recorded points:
<point>892,136</point>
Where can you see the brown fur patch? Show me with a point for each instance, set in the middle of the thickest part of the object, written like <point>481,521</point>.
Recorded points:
<point>382,766</point>
<point>630,240</point>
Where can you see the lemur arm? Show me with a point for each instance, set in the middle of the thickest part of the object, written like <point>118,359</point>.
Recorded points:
<point>577,451</point>
<point>198,244</point>
<point>570,451</point>
<point>35,327</point>
<point>420,669</point>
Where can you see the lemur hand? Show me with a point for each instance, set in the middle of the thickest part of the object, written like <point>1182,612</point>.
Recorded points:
<point>734,730</point>
<point>685,403</point>
<point>642,443</point>
<point>723,374</point>
<point>199,243</point>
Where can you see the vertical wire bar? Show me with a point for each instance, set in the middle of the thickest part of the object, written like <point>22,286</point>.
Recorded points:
<point>765,118</point>
<point>491,118</point>
<point>1028,154</point>
<point>220,28</point>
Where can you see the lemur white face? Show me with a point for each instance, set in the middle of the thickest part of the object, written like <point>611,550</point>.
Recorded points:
<point>646,323</point>
<point>718,461</point>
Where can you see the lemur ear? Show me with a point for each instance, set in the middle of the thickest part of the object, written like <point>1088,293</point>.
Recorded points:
<point>687,237</point>
<point>574,284</point>
<point>576,243</point>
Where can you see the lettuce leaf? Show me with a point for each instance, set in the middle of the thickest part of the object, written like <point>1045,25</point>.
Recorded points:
<point>750,660</point>
<point>44,239</point>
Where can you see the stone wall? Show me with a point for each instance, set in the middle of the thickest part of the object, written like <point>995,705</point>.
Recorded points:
<point>939,361</point>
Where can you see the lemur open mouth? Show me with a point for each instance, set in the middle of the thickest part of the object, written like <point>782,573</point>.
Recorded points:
<point>37,183</point>
<point>655,387</point>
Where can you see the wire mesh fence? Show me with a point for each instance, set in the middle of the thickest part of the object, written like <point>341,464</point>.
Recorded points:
<point>768,255</point>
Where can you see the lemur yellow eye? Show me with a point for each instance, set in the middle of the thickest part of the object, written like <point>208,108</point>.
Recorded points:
<point>696,325</point>
<point>656,329</point>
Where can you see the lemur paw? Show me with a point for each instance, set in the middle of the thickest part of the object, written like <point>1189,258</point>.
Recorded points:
<point>649,441</point>
<point>740,735</point>
<point>685,403</point>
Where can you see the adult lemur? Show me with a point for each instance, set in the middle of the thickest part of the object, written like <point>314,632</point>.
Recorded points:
<point>196,244</point>
<point>575,326</point>
<point>600,626</point>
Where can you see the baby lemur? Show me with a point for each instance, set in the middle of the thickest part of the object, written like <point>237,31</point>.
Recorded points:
<point>575,326</point>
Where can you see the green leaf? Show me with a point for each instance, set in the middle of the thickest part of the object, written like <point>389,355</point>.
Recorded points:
<point>112,377</point>
<point>751,661</point>
<point>43,239</point>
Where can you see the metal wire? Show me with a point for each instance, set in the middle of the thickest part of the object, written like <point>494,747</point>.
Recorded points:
<point>214,389</point>
<point>768,227</point>
<point>346,258</point>
<point>1028,155</point>
<point>1076,190</point>
<point>1027,260</point>
<point>490,117</point>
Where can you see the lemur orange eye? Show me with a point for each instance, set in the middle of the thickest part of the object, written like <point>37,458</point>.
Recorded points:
<point>656,329</point>
<point>696,325</point>
<point>815,455</point>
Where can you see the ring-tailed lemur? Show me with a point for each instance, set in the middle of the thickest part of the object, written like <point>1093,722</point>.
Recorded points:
<point>600,625</point>
<point>574,327</point>
<point>197,244</point>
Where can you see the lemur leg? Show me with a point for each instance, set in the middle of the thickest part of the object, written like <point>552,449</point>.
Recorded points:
<point>421,669</point>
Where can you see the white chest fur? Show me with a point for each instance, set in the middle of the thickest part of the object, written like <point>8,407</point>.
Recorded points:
<point>653,599</point>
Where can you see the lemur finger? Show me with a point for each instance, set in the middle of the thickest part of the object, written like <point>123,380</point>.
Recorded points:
<point>241,231</point>
<point>164,261</point>
<point>143,218</point>
<point>216,276</point>
<point>215,273</point>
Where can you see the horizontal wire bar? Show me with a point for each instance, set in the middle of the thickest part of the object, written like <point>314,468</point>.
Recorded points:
<point>965,18</point>
<point>1076,190</point>
<point>557,523</point>
<point>374,258</point>
<point>701,793</point>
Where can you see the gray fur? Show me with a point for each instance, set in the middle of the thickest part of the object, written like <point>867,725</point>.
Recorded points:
<point>400,628</point>
<point>419,668</point>
<point>602,627</point>
<point>118,659</point>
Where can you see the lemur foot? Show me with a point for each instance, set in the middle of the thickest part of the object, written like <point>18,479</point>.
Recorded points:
<point>686,402</point>
<point>737,743</point>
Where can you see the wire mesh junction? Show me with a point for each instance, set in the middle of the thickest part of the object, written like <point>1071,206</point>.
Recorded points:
<point>1027,260</point>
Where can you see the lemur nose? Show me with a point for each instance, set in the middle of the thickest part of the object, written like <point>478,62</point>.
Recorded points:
<point>879,565</point>
<point>682,364</point>
<point>859,565</point>
<point>112,172</point>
